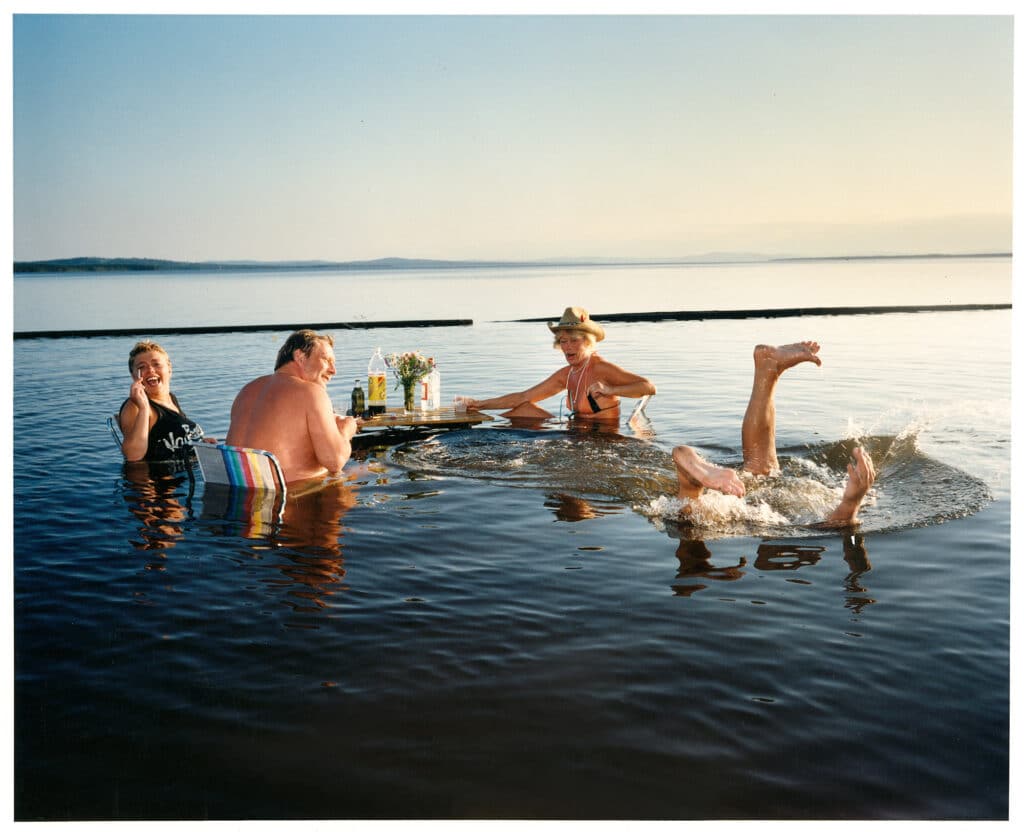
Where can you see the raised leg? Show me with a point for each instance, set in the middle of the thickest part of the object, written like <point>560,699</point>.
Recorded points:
<point>758,434</point>
<point>695,474</point>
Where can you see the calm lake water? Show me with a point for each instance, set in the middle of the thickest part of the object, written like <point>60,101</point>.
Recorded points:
<point>117,301</point>
<point>502,623</point>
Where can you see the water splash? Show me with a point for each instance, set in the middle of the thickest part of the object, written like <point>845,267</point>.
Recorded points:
<point>912,489</point>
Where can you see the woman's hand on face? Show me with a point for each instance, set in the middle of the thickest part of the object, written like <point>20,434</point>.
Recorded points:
<point>138,394</point>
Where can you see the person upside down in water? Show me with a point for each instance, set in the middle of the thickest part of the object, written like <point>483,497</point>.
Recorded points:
<point>696,474</point>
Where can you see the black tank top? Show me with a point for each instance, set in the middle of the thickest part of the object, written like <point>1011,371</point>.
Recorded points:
<point>171,434</point>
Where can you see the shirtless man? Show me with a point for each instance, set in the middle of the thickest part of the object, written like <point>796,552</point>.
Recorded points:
<point>758,437</point>
<point>289,412</point>
<point>593,384</point>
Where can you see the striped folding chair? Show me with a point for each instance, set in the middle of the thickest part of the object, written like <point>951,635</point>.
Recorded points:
<point>244,468</point>
<point>243,484</point>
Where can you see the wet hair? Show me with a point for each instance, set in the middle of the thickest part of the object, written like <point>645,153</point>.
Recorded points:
<point>305,340</point>
<point>141,347</point>
<point>586,336</point>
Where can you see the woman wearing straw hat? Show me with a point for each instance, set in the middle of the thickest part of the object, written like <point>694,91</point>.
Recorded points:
<point>593,384</point>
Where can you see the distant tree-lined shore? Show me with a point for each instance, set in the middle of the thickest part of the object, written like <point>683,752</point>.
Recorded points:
<point>144,264</point>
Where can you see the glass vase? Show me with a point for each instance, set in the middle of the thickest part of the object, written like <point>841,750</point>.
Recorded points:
<point>409,395</point>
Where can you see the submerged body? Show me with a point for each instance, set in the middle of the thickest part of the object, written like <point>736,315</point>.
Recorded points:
<point>593,385</point>
<point>290,414</point>
<point>170,432</point>
<point>153,424</point>
<point>695,474</point>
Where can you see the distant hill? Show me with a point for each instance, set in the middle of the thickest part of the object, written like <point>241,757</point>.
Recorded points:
<point>144,264</point>
<point>98,264</point>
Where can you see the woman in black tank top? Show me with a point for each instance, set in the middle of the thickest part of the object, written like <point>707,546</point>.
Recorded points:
<point>154,426</point>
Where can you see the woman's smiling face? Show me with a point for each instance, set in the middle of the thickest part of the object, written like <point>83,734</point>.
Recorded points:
<point>153,369</point>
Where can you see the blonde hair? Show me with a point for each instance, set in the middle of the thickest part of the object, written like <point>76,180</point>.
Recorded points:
<point>141,347</point>
<point>586,336</point>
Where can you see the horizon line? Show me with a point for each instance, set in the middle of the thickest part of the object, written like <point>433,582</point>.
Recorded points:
<point>710,258</point>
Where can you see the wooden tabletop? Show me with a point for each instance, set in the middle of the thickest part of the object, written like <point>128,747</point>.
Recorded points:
<point>446,417</point>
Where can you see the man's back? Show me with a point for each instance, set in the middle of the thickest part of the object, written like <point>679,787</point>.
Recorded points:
<point>289,413</point>
<point>272,413</point>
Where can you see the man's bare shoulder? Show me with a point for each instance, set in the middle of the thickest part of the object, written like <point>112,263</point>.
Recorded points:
<point>294,389</point>
<point>273,382</point>
<point>256,383</point>
<point>254,389</point>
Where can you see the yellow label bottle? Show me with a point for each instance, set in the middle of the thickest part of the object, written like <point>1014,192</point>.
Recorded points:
<point>377,384</point>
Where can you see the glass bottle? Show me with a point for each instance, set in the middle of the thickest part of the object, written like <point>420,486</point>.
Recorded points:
<point>358,400</point>
<point>377,389</point>
<point>435,386</point>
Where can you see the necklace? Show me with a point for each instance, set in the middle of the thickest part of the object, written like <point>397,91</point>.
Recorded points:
<point>575,398</point>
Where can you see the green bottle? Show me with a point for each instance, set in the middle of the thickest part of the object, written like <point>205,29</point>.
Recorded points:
<point>358,399</point>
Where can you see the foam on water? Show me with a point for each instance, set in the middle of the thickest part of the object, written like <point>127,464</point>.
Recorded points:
<point>801,494</point>
<point>712,510</point>
<point>911,489</point>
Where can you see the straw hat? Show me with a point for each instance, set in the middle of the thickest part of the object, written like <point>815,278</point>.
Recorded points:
<point>578,319</point>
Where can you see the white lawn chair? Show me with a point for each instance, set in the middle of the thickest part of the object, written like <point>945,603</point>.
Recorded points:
<point>115,430</point>
<point>639,421</point>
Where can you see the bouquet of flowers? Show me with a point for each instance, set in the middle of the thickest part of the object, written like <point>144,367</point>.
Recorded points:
<point>409,368</point>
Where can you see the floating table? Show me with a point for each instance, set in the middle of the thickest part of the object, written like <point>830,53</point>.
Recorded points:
<point>396,422</point>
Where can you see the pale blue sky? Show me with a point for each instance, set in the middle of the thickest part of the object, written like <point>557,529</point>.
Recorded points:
<point>345,137</point>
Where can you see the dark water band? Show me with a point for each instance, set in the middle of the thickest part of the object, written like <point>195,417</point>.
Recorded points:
<point>626,317</point>
<point>202,330</point>
<point>790,312</point>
